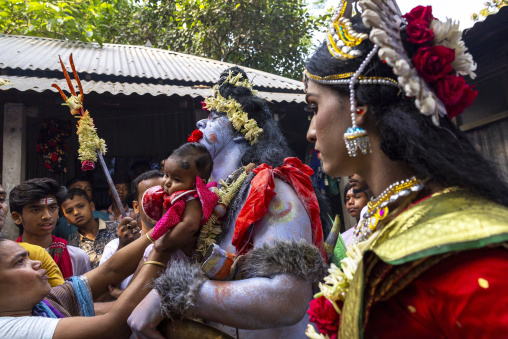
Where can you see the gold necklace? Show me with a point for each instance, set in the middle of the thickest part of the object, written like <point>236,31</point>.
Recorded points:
<point>227,192</point>
<point>377,208</point>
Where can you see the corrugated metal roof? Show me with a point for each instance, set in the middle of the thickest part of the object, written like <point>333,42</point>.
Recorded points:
<point>44,84</point>
<point>34,53</point>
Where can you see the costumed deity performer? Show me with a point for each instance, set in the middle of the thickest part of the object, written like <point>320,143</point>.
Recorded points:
<point>430,258</point>
<point>271,230</point>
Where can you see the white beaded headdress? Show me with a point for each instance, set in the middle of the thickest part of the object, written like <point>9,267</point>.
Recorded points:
<point>441,93</point>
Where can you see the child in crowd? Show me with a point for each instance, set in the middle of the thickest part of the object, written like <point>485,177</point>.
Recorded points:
<point>122,185</point>
<point>93,234</point>
<point>34,207</point>
<point>356,198</point>
<point>138,188</point>
<point>355,201</point>
<point>63,228</point>
<point>187,202</point>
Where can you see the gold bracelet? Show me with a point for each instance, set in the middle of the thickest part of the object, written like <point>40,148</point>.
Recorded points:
<point>150,238</point>
<point>158,263</point>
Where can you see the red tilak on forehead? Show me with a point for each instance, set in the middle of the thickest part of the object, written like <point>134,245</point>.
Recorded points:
<point>47,201</point>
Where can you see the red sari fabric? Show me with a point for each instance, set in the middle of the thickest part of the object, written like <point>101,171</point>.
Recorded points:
<point>262,192</point>
<point>60,254</point>
<point>463,296</point>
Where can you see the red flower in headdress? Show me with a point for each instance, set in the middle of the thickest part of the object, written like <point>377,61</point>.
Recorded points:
<point>87,165</point>
<point>203,105</point>
<point>434,62</point>
<point>455,94</point>
<point>419,32</point>
<point>54,156</point>
<point>195,136</point>
<point>419,12</point>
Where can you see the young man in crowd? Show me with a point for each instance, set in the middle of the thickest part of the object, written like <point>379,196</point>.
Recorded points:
<point>55,277</point>
<point>122,186</point>
<point>63,228</point>
<point>138,188</point>
<point>34,209</point>
<point>93,234</point>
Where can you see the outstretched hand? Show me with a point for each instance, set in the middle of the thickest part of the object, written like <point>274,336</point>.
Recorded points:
<point>128,231</point>
<point>146,317</point>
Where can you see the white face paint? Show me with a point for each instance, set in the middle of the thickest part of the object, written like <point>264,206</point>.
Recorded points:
<point>217,132</point>
<point>47,201</point>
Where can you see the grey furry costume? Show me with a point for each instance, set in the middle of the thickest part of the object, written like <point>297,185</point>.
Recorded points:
<point>179,286</point>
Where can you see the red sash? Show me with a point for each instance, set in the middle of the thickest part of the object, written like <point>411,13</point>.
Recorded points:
<point>262,192</point>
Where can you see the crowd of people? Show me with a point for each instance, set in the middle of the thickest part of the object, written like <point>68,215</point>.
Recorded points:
<point>231,236</point>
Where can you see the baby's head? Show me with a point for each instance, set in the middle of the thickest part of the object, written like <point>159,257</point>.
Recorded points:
<point>184,165</point>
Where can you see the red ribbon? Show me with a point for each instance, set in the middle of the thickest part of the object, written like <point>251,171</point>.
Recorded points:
<point>262,192</point>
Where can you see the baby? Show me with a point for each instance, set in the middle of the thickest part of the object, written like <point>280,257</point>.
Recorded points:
<point>183,203</point>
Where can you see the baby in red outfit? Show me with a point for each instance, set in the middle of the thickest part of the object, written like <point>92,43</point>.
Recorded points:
<point>183,203</point>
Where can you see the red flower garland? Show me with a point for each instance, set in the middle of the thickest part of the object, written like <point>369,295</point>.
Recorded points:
<point>195,136</point>
<point>323,314</point>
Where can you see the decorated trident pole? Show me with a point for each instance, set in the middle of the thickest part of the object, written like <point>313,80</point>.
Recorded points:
<point>91,147</point>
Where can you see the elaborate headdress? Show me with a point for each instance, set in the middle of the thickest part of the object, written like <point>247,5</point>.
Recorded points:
<point>233,109</point>
<point>431,73</point>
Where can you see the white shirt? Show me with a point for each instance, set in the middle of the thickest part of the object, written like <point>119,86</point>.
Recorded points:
<point>79,259</point>
<point>27,327</point>
<point>109,250</point>
<point>348,235</point>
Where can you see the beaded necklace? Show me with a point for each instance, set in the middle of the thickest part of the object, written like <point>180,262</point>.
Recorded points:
<point>377,208</point>
<point>227,192</point>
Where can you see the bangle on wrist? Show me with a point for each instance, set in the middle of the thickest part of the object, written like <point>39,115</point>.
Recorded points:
<point>150,238</point>
<point>153,262</point>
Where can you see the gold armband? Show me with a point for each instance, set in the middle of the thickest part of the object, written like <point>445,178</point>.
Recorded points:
<point>158,263</point>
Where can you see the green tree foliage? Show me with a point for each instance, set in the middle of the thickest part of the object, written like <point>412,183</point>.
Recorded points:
<point>73,20</point>
<point>270,35</point>
<point>491,7</point>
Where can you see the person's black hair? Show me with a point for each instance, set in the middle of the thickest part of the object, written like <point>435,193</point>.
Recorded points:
<point>34,189</point>
<point>202,157</point>
<point>272,146</point>
<point>76,192</point>
<point>143,176</point>
<point>79,178</point>
<point>444,154</point>
<point>121,178</point>
<point>348,187</point>
<point>140,163</point>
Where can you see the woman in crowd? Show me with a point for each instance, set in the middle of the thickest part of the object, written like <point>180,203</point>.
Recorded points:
<point>30,308</point>
<point>430,257</point>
